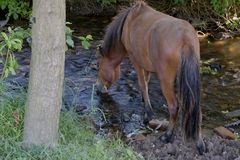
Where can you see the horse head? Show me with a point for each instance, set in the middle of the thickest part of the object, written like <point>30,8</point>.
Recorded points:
<point>108,71</point>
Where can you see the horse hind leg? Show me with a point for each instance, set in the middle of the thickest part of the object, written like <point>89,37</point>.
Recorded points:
<point>199,142</point>
<point>167,81</point>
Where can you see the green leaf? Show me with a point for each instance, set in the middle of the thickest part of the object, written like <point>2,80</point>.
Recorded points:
<point>3,6</point>
<point>85,44</point>
<point>89,37</point>
<point>9,29</point>
<point>17,41</point>
<point>4,35</point>
<point>68,31</point>
<point>15,16</point>
<point>6,73</point>
<point>2,46</point>
<point>9,44</point>
<point>70,42</point>
<point>12,70</point>
<point>82,38</point>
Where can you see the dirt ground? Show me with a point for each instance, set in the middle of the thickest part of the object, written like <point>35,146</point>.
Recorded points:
<point>217,148</point>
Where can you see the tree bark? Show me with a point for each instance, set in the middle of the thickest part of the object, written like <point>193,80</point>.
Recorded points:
<point>45,89</point>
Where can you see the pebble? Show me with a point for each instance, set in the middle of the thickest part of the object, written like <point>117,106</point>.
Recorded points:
<point>224,133</point>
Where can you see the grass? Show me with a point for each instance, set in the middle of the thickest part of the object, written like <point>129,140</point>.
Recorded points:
<point>77,139</point>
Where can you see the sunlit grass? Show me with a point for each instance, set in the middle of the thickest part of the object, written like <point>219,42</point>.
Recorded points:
<point>77,139</point>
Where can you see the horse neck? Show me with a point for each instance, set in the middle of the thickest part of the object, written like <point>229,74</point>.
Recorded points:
<point>116,56</point>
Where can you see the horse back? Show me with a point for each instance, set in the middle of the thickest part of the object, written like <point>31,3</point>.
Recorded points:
<point>149,36</point>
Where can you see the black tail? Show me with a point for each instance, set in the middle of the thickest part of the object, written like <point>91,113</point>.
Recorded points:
<point>189,89</point>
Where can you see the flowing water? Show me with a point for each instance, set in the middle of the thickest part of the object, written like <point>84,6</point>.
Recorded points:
<point>221,92</point>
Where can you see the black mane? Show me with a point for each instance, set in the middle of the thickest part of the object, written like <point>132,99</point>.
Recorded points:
<point>114,32</point>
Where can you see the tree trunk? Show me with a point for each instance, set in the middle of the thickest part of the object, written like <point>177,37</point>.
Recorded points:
<point>46,73</point>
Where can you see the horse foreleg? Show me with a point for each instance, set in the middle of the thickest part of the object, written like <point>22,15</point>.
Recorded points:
<point>143,79</point>
<point>147,76</point>
<point>167,86</point>
<point>148,107</point>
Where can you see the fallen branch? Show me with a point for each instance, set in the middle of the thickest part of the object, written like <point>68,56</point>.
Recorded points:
<point>3,23</point>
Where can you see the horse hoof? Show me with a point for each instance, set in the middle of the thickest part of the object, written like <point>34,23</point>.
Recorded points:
<point>201,147</point>
<point>146,119</point>
<point>167,138</point>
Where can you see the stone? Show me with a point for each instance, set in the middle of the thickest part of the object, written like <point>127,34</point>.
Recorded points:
<point>126,117</point>
<point>233,114</point>
<point>222,35</point>
<point>233,125</point>
<point>171,149</point>
<point>80,108</point>
<point>224,133</point>
<point>157,124</point>
<point>138,137</point>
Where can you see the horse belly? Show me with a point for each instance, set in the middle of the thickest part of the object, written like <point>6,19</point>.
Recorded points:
<point>142,60</point>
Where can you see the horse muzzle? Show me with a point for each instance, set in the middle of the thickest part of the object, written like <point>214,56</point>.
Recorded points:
<point>101,87</point>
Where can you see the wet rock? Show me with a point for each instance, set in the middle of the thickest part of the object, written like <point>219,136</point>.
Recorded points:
<point>224,133</point>
<point>237,75</point>
<point>157,124</point>
<point>126,117</point>
<point>217,158</point>
<point>233,114</point>
<point>19,81</point>
<point>235,144</point>
<point>215,66</point>
<point>222,35</point>
<point>233,126</point>
<point>80,108</point>
<point>171,149</point>
<point>138,137</point>
<point>210,146</point>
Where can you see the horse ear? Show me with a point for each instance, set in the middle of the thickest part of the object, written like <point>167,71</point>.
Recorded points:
<point>100,50</point>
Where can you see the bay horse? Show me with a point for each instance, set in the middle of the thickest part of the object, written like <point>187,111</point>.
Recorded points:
<point>156,42</point>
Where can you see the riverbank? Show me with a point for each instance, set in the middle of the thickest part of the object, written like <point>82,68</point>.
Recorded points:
<point>77,138</point>
<point>201,14</point>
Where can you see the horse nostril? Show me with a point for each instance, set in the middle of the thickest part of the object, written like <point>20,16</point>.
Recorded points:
<point>101,88</point>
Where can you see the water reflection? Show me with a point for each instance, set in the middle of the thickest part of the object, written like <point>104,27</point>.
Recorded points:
<point>221,93</point>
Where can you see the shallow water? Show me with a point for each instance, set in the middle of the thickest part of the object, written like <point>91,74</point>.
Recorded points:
<point>221,92</point>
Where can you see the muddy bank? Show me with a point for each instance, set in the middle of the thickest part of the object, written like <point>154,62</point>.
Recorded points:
<point>217,149</point>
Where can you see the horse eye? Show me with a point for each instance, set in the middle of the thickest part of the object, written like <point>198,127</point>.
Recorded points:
<point>98,54</point>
